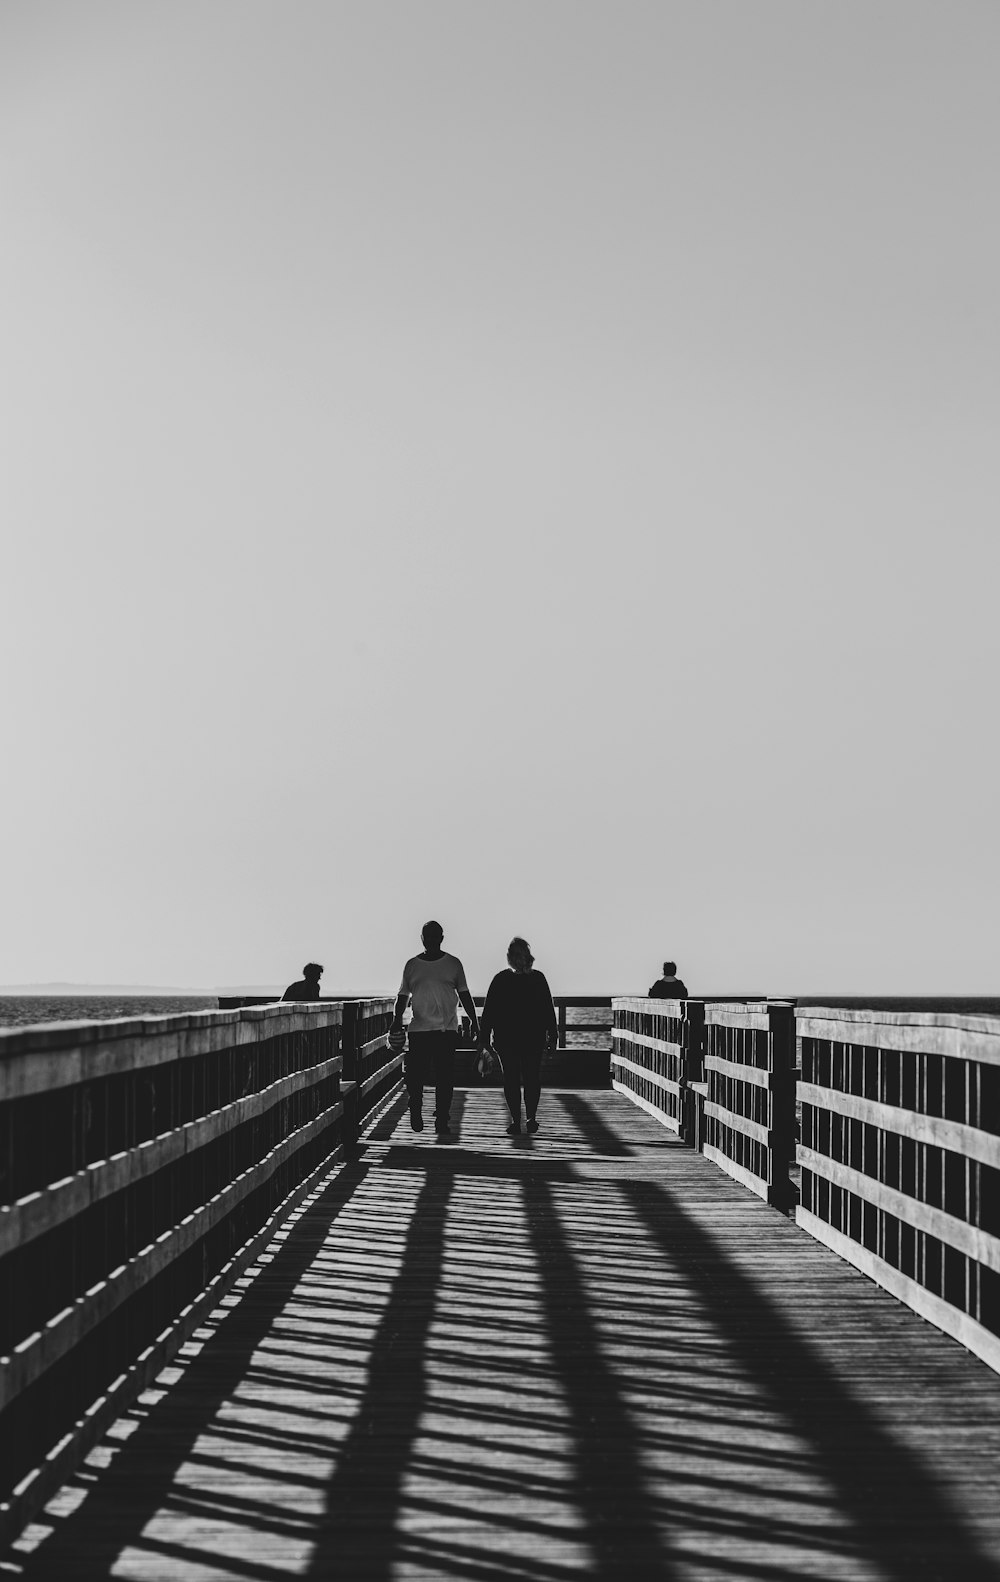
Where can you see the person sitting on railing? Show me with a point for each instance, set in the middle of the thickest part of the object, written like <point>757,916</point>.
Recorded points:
<point>307,987</point>
<point>669,987</point>
<point>520,1014</point>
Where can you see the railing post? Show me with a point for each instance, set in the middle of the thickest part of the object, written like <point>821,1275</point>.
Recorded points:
<point>349,1042</point>
<point>561,1034</point>
<point>694,1073</point>
<point>750,1102</point>
<point>781,1034</point>
<point>351,1095</point>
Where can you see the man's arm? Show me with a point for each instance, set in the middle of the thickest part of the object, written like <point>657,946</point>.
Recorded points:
<point>402,1001</point>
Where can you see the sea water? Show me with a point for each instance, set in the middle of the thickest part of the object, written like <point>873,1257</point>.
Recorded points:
<point>25,1010</point>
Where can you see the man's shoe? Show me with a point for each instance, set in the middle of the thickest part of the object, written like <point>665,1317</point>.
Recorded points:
<point>532,1125</point>
<point>514,1129</point>
<point>416,1121</point>
<point>442,1128</point>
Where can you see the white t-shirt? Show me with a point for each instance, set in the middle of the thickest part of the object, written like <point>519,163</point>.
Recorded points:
<point>434,987</point>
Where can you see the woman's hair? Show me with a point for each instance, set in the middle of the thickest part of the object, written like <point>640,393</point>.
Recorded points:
<point>519,947</point>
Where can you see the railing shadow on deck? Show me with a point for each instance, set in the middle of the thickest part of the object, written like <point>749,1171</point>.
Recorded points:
<point>903,1525</point>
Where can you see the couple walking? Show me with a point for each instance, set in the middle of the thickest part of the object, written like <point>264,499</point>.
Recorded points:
<point>518,1014</point>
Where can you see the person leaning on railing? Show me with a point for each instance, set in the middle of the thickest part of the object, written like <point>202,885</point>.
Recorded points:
<point>307,988</point>
<point>669,987</point>
<point>519,1013</point>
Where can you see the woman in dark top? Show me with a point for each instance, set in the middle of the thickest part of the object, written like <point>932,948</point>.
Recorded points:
<point>520,1015</point>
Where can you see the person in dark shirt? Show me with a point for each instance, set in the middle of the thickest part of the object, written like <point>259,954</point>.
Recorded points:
<point>669,987</point>
<point>521,1017</point>
<point>307,987</point>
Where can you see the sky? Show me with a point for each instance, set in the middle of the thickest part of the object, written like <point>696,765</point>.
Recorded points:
<point>530,464</point>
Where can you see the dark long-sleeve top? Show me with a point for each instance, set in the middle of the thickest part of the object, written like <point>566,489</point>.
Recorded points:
<point>518,1009</point>
<point>668,989</point>
<point>305,989</point>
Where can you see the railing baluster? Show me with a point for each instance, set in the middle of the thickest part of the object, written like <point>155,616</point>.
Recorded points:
<point>910,1210</point>
<point>112,1227</point>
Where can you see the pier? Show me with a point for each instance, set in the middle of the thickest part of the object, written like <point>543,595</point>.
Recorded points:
<point>733,1312</point>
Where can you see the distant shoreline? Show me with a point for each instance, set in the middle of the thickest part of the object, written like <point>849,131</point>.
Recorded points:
<point>884,1002</point>
<point>145,991</point>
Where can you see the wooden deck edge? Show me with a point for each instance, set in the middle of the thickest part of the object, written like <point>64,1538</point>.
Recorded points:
<point>38,1486</point>
<point>380,1075</point>
<point>644,1104</point>
<point>364,1101</point>
<point>771,1192</point>
<point>960,1326</point>
<point>379,1106</point>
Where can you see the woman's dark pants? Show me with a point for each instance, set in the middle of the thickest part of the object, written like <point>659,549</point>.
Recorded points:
<point>431,1056</point>
<point>522,1068</point>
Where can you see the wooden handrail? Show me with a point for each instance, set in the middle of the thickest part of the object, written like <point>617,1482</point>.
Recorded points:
<point>900,1157</point>
<point>138,1157</point>
<point>899,1149</point>
<point>655,1057</point>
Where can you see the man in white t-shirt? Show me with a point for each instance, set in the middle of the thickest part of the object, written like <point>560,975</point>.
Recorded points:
<point>435,982</point>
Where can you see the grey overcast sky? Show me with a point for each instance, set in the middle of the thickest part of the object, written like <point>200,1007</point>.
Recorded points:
<point>530,463</point>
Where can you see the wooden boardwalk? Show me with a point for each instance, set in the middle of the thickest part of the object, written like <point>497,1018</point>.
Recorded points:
<point>584,1354</point>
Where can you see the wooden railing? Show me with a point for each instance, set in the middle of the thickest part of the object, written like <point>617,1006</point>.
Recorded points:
<point>656,1058</point>
<point>370,1071</point>
<point>144,1165</point>
<point>900,1157</point>
<point>750,1100</point>
<point>585,1019</point>
<point>898,1143</point>
<point>582,1056</point>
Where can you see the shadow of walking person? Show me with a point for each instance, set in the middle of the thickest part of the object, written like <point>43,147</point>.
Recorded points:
<point>359,1535</point>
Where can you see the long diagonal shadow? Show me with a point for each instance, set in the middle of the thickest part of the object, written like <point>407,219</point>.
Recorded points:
<point>902,1517</point>
<point>85,1545</point>
<point>898,1518</point>
<point>359,1536</point>
<point>610,1487</point>
<point>583,1115</point>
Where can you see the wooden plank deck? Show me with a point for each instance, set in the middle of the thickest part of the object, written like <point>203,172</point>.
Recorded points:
<point>589,1353</point>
